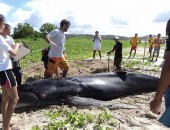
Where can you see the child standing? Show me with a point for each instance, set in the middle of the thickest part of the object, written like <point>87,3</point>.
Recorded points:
<point>97,44</point>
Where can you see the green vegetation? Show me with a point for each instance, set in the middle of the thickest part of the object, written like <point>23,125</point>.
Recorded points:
<point>78,48</point>
<point>66,119</point>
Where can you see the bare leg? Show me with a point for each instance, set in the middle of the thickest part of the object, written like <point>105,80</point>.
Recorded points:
<point>153,56</point>
<point>4,102</point>
<point>134,53</point>
<point>150,54</point>
<point>118,67</point>
<point>65,73</point>
<point>94,52</point>
<point>47,74</point>
<point>130,53</point>
<point>13,99</point>
<point>157,55</point>
<point>100,55</point>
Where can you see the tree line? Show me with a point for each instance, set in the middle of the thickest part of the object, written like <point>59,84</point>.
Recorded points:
<point>25,30</point>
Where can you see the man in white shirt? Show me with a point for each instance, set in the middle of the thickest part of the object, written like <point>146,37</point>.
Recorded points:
<point>56,39</point>
<point>15,63</point>
<point>7,80</point>
<point>97,44</point>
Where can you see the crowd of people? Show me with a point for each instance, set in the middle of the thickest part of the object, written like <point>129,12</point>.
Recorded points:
<point>55,56</point>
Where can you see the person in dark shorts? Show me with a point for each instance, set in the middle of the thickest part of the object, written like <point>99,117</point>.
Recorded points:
<point>7,80</point>
<point>15,63</point>
<point>118,53</point>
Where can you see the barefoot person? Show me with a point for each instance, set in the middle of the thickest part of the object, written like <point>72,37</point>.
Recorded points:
<point>134,41</point>
<point>56,39</point>
<point>7,80</point>
<point>163,86</point>
<point>157,42</point>
<point>45,59</point>
<point>15,63</point>
<point>97,44</point>
<point>151,42</point>
<point>118,53</point>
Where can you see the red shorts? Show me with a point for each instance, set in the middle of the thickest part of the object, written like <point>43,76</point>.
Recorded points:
<point>133,47</point>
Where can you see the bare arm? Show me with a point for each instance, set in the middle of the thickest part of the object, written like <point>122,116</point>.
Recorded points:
<point>100,39</point>
<point>164,79</point>
<point>130,42</point>
<point>93,39</point>
<point>111,50</point>
<point>48,40</point>
<point>13,52</point>
<point>162,86</point>
<point>139,42</point>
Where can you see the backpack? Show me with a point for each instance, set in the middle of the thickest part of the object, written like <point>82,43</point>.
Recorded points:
<point>45,54</point>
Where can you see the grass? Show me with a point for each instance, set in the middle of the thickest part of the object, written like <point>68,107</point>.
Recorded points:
<point>78,48</point>
<point>68,119</point>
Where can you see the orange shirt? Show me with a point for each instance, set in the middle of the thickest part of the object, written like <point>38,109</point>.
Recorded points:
<point>157,42</point>
<point>135,41</point>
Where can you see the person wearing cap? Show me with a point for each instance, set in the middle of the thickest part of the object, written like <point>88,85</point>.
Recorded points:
<point>97,44</point>
<point>56,39</point>
<point>163,86</point>
<point>151,42</point>
<point>118,53</point>
<point>157,42</point>
<point>134,41</point>
<point>7,80</point>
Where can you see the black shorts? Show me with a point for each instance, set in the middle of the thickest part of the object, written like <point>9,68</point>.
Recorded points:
<point>150,49</point>
<point>7,78</point>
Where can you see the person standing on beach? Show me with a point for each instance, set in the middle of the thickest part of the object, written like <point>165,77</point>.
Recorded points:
<point>151,42</point>
<point>56,39</point>
<point>118,53</point>
<point>97,44</point>
<point>134,41</point>
<point>15,63</point>
<point>7,79</point>
<point>157,42</point>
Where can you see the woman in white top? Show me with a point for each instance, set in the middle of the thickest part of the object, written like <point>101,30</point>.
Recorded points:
<point>7,80</point>
<point>97,44</point>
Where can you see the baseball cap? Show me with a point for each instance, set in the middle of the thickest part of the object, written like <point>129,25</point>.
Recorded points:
<point>116,37</point>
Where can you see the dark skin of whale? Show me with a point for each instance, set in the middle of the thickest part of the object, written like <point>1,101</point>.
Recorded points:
<point>102,86</point>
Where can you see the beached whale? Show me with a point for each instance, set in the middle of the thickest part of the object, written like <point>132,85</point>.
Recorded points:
<point>85,90</point>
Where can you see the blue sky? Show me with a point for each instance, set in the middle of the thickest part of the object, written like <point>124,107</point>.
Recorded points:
<point>116,17</point>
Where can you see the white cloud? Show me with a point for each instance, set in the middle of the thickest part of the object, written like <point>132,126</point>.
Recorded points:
<point>4,8</point>
<point>118,17</point>
<point>18,17</point>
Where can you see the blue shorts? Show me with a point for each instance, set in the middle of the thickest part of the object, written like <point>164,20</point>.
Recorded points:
<point>165,118</point>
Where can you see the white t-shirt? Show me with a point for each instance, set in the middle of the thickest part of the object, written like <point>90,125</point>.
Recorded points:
<point>58,37</point>
<point>97,43</point>
<point>9,40</point>
<point>5,61</point>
